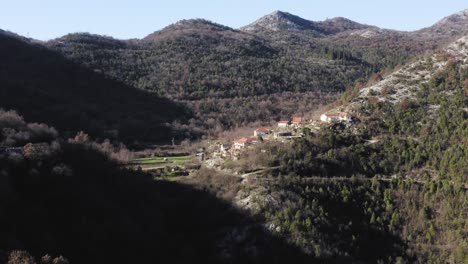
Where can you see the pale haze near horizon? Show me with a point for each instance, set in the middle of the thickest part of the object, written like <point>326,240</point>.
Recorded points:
<point>50,19</point>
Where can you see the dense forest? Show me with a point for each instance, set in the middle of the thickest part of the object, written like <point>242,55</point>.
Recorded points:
<point>199,63</point>
<point>360,221</point>
<point>218,77</point>
<point>195,59</point>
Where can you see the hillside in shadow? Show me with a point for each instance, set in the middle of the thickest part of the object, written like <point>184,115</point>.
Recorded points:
<point>46,87</point>
<point>77,204</point>
<point>67,198</point>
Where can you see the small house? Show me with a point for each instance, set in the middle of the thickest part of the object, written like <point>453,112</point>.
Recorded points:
<point>283,123</point>
<point>335,117</point>
<point>260,132</point>
<point>298,121</point>
<point>244,142</point>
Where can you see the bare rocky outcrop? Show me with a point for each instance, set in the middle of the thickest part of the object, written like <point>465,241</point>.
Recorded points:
<point>405,82</point>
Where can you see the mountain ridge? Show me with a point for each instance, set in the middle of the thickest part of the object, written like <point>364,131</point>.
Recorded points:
<point>204,63</point>
<point>329,26</point>
<point>449,26</point>
<point>279,20</point>
<point>280,16</point>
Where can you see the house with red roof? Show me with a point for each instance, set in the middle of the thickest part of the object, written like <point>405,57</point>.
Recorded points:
<point>244,142</point>
<point>297,121</point>
<point>262,131</point>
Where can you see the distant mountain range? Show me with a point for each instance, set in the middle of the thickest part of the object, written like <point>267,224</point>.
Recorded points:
<point>275,43</point>
<point>279,21</point>
<point>346,33</point>
<point>450,26</point>
<point>223,74</point>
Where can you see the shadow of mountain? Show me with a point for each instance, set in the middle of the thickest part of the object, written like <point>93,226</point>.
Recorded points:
<point>45,87</point>
<point>100,214</point>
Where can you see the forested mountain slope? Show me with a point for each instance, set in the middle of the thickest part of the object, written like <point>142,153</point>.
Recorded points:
<point>195,59</point>
<point>46,87</point>
<point>224,75</point>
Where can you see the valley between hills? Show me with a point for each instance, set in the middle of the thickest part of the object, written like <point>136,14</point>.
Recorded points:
<point>284,141</point>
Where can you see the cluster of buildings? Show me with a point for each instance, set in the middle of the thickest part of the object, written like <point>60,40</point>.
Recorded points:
<point>283,132</point>
<point>244,142</point>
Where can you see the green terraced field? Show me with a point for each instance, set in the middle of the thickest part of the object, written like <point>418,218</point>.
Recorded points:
<point>156,160</point>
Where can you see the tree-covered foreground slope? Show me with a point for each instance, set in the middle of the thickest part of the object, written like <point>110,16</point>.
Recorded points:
<point>46,87</point>
<point>369,221</point>
<point>65,201</point>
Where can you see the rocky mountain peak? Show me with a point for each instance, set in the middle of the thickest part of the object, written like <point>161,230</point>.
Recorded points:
<point>279,20</point>
<point>459,17</point>
<point>453,25</point>
<point>341,24</point>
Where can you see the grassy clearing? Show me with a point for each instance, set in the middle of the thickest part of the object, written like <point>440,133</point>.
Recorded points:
<point>145,168</point>
<point>156,160</point>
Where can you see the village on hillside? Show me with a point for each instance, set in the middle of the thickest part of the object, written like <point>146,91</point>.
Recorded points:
<point>284,131</point>
<point>175,162</point>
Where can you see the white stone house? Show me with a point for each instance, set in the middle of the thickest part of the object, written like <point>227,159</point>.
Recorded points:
<point>283,124</point>
<point>335,117</point>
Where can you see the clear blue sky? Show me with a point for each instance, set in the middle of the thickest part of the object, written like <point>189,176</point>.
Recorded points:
<point>46,19</point>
